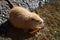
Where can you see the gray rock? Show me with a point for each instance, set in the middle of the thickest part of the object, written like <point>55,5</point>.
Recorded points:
<point>32,4</point>
<point>29,4</point>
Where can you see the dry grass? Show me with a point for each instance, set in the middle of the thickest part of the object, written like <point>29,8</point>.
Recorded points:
<point>51,15</point>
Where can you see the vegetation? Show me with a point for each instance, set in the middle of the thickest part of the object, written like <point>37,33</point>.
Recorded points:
<point>51,15</point>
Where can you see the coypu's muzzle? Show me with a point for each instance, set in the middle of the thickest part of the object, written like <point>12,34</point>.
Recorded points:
<point>36,29</point>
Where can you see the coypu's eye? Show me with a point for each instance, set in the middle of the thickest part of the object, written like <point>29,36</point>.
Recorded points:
<point>32,19</point>
<point>36,20</point>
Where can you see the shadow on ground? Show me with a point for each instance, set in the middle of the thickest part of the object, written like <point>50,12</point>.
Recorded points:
<point>7,31</point>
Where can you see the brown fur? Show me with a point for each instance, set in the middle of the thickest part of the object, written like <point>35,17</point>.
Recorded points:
<point>23,18</point>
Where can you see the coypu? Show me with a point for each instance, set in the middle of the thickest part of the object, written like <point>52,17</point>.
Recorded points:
<point>22,18</point>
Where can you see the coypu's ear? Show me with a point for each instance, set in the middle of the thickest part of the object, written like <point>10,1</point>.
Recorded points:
<point>33,12</point>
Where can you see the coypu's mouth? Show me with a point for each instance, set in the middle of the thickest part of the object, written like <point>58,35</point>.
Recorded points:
<point>35,30</point>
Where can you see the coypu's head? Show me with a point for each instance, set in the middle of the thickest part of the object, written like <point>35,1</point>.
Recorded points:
<point>35,21</point>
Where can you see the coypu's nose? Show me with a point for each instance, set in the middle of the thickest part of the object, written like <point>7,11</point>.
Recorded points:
<point>41,21</point>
